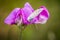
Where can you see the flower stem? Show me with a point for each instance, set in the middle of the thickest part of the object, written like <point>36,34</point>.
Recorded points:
<point>20,35</point>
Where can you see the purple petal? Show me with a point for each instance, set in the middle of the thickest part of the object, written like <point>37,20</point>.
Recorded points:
<point>45,12</point>
<point>43,16</point>
<point>12,16</point>
<point>26,11</point>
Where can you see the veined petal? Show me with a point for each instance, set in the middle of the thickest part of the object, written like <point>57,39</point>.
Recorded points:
<point>12,16</point>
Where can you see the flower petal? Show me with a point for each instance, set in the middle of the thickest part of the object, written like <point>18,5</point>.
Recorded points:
<point>12,16</point>
<point>43,16</point>
<point>35,14</point>
<point>40,15</point>
<point>26,11</point>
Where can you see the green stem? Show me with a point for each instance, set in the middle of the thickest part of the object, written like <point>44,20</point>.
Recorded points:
<point>20,29</point>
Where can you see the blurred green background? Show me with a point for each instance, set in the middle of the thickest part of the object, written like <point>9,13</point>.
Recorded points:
<point>48,31</point>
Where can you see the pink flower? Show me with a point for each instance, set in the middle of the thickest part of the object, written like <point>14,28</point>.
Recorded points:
<point>27,15</point>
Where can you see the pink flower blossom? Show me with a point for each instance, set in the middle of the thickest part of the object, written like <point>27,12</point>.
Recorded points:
<point>27,15</point>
